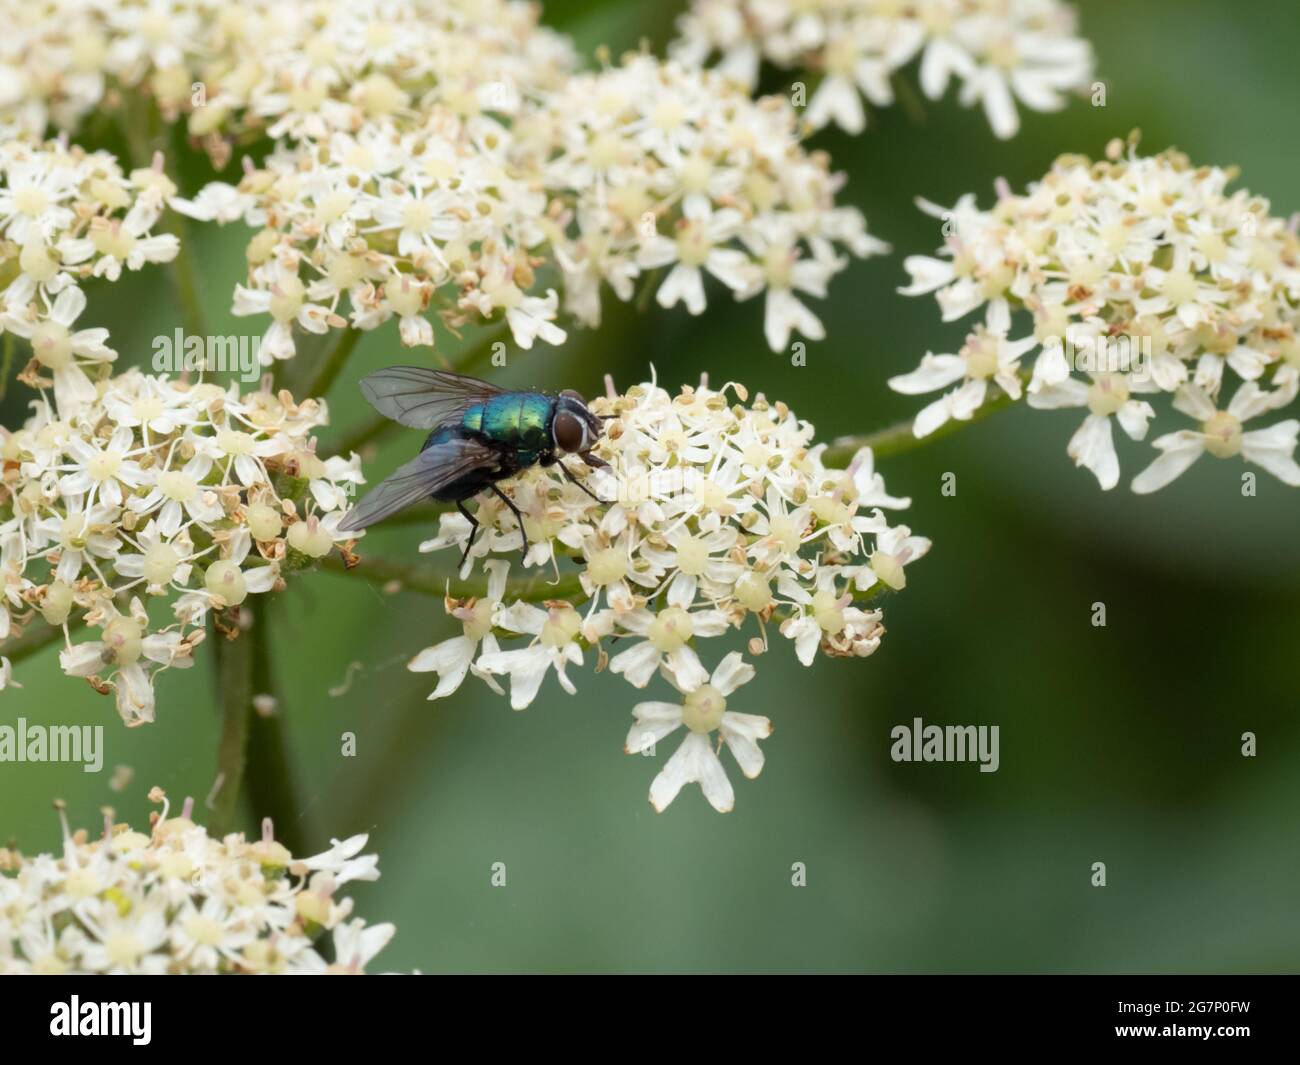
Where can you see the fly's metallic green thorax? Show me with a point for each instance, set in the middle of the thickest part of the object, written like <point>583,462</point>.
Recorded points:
<point>520,420</point>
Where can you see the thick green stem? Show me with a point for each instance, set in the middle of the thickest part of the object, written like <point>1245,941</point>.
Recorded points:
<point>330,364</point>
<point>433,580</point>
<point>272,790</point>
<point>37,637</point>
<point>141,126</point>
<point>373,428</point>
<point>474,358</point>
<point>185,277</point>
<point>909,100</point>
<point>185,271</point>
<point>6,367</point>
<point>649,286</point>
<point>235,691</point>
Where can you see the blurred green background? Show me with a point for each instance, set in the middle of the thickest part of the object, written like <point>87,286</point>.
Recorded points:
<point>1119,744</point>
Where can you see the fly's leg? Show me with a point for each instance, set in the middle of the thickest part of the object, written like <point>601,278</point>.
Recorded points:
<point>573,480</point>
<point>473,533</point>
<point>518,517</point>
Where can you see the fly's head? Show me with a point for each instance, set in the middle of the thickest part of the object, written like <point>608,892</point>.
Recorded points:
<point>574,429</point>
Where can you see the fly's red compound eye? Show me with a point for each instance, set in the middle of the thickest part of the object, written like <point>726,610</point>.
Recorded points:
<point>568,432</point>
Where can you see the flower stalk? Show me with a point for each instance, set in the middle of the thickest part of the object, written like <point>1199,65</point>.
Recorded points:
<point>253,745</point>
<point>141,129</point>
<point>272,779</point>
<point>898,439</point>
<point>326,371</point>
<point>35,639</point>
<point>235,691</point>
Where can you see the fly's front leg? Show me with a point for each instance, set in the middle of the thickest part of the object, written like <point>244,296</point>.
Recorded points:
<point>473,532</point>
<point>518,517</point>
<point>573,480</point>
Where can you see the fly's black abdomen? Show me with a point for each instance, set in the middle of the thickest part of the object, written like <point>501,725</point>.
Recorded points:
<point>473,481</point>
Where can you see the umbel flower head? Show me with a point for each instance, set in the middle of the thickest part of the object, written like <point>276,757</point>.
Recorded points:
<point>1136,277</point>
<point>999,51</point>
<point>174,900</point>
<point>67,215</point>
<point>643,173</point>
<point>722,517</point>
<point>429,160</point>
<point>180,493</point>
<point>234,67</point>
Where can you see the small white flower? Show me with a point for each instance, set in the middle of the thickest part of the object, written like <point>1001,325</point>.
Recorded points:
<point>703,711</point>
<point>61,350</point>
<point>555,646</point>
<point>1093,445</point>
<point>666,646</point>
<point>342,863</point>
<point>896,549</point>
<point>355,946</point>
<point>129,941</point>
<point>988,355</point>
<point>693,249</point>
<point>453,658</point>
<point>1222,435</point>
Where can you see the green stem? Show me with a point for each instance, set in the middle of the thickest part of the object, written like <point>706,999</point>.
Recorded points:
<point>898,438</point>
<point>272,790</point>
<point>235,691</point>
<point>432,580</point>
<point>7,367</point>
<point>185,277</point>
<point>327,370</point>
<point>184,269</point>
<point>36,638</point>
<point>649,286</point>
<point>373,428</point>
<point>909,100</point>
<point>135,122</point>
<point>481,352</point>
<point>140,123</point>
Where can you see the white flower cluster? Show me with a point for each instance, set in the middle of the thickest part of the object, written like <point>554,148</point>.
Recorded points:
<point>1143,277</point>
<point>1000,51</point>
<point>441,159</point>
<point>722,517</point>
<point>638,168</point>
<point>66,215</point>
<point>235,67</point>
<point>175,900</point>
<point>391,124</point>
<point>160,489</point>
<point>656,166</point>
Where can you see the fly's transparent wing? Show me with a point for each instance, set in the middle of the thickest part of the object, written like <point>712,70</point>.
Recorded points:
<point>432,469</point>
<point>423,398</point>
